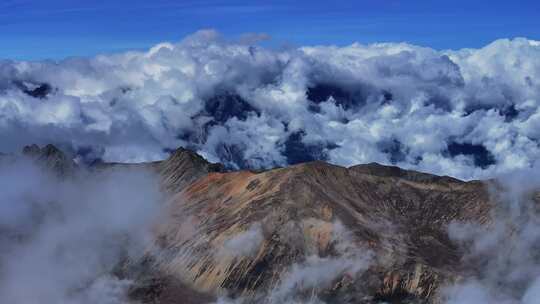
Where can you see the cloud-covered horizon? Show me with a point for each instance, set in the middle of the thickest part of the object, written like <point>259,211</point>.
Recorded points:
<point>470,113</point>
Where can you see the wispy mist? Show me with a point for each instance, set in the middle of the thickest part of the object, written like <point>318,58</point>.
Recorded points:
<point>501,262</point>
<point>61,239</point>
<point>305,280</point>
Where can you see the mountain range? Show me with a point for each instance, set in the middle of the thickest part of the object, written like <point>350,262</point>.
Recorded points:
<point>312,232</point>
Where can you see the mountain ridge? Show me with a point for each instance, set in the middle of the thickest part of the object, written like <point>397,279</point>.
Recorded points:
<point>395,218</point>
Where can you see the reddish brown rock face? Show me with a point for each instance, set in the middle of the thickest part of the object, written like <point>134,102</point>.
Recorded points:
<point>398,217</point>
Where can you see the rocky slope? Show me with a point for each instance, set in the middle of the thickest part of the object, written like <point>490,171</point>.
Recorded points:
<point>397,217</point>
<point>364,234</point>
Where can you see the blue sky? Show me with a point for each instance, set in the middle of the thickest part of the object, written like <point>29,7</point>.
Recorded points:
<point>40,29</point>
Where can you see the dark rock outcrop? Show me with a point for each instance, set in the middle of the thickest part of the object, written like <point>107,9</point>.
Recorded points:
<point>184,167</point>
<point>51,157</point>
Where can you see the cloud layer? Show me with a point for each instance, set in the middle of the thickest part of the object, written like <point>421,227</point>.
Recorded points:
<point>470,113</point>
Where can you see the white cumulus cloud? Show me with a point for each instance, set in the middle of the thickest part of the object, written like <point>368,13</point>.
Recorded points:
<point>468,113</point>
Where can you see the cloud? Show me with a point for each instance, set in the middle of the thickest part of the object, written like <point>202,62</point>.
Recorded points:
<point>501,258</point>
<point>244,244</point>
<point>62,239</point>
<point>316,274</point>
<point>313,274</point>
<point>304,280</point>
<point>469,113</point>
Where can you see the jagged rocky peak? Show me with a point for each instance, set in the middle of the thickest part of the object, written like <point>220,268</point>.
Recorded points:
<point>183,167</point>
<point>51,157</point>
<point>47,150</point>
<point>180,154</point>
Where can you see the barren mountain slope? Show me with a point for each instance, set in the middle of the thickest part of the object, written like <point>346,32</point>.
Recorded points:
<point>398,217</point>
